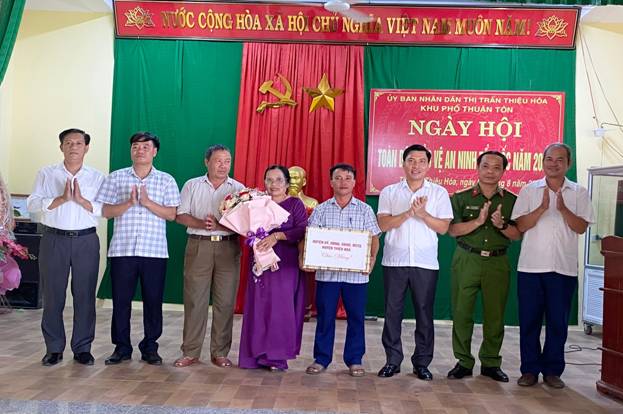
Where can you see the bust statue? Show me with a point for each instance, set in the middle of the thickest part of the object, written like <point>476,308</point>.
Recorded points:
<point>298,180</point>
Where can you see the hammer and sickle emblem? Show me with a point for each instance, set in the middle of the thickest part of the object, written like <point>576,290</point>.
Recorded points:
<point>284,98</point>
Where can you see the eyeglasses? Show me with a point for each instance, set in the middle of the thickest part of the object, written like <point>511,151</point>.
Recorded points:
<point>275,181</point>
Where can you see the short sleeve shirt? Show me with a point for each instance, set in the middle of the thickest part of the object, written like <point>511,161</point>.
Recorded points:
<point>199,198</point>
<point>356,215</point>
<point>413,244</point>
<point>466,205</point>
<point>138,231</point>
<point>551,246</point>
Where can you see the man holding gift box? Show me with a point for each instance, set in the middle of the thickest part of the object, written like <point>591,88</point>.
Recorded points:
<point>211,260</point>
<point>343,211</point>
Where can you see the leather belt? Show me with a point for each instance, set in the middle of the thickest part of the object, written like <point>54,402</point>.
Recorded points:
<point>483,253</point>
<point>69,233</point>
<point>214,238</point>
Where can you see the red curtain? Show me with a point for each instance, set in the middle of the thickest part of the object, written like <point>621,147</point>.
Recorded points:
<point>292,135</point>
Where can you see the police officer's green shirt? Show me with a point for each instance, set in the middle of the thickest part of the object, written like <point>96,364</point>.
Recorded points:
<point>466,205</point>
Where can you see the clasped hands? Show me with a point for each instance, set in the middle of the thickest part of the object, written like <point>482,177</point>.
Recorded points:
<point>139,197</point>
<point>560,201</point>
<point>497,219</point>
<point>417,208</point>
<point>73,194</point>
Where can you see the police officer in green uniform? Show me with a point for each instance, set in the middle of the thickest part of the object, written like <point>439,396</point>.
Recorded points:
<point>483,231</point>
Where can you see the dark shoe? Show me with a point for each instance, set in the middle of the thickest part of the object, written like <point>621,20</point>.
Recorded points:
<point>152,358</point>
<point>495,373</point>
<point>389,370</point>
<point>528,380</point>
<point>459,371</point>
<point>116,358</point>
<point>553,381</point>
<point>52,358</point>
<point>84,358</point>
<point>423,373</point>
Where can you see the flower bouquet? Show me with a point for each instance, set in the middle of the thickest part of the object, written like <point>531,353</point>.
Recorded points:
<point>252,213</point>
<point>10,275</point>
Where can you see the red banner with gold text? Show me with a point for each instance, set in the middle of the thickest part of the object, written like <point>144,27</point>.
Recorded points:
<point>539,27</point>
<point>457,126</point>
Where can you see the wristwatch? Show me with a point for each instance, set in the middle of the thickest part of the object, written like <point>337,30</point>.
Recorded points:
<point>504,226</point>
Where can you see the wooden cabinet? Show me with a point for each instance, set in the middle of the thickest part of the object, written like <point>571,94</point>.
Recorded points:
<point>611,381</point>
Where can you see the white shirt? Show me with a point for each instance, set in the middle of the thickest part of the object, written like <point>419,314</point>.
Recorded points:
<point>413,243</point>
<point>50,183</point>
<point>200,198</point>
<point>551,246</point>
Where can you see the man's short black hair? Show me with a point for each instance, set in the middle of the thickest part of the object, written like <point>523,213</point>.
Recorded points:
<point>416,147</point>
<point>145,136</point>
<point>284,170</point>
<point>62,135</point>
<point>498,153</point>
<point>342,166</point>
<point>213,148</point>
<point>558,145</point>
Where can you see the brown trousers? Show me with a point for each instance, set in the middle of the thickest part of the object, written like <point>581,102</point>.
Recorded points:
<point>210,267</point>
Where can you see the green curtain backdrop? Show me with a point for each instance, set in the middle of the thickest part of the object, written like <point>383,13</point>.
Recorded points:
<point>468,68</point>
<point>186,92</point>
<point>10,17</point>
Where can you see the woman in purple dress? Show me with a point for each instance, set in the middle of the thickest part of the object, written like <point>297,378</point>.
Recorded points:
<point>274,307</point>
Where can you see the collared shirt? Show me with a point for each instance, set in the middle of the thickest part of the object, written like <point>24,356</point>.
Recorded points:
<point>50,183</point>
<point>551,246</point>
<point>356,215</point>
<point>466,205</point>
<point>199,198</point>
<point>413,243</point>
<point>138,231</point>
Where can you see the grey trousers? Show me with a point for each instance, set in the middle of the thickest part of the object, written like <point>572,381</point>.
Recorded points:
<point>422,284</point>
<point>57,255</point>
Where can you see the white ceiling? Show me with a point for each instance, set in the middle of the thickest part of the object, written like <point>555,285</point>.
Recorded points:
<point>601,14</point>
<point>98,6</point>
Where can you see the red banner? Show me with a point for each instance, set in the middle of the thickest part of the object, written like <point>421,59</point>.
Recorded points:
<point>457,126</point>
<point>537,27</point>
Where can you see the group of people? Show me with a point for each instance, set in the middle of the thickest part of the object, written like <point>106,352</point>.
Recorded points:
<point>548,213</point>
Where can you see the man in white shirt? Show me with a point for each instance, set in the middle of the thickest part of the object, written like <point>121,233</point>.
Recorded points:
<point>551,212</point>
<point>412,212</point>
<point>211,261</point>
<point>64,195</point>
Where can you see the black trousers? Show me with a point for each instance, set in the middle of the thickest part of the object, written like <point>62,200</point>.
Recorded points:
<point>58,255</point>
<point>422,284</point>
<point>125,272</point>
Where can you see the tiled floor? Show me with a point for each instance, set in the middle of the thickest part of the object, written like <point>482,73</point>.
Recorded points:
<point>22,376</point>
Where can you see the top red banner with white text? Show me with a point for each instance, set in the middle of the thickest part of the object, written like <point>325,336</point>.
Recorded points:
<point>536,27</point>
<point>457,126</point>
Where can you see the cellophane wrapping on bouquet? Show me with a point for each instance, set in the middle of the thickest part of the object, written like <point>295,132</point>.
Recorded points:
<point>253,214</point>
<point>10,275</point>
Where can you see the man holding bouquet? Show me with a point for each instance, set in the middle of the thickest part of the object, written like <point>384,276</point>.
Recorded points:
<point>211,261</point>
<point>343,211</point>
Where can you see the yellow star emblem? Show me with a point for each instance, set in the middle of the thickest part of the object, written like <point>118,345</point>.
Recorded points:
<point>323,96</point>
